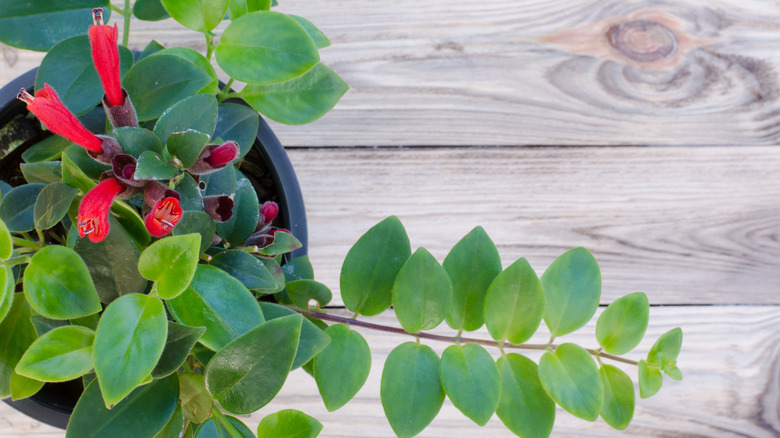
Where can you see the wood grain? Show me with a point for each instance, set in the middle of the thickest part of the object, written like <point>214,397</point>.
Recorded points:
<point>731,386</point>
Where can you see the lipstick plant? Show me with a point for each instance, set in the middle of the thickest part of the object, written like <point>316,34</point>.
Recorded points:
<point>137,259</point>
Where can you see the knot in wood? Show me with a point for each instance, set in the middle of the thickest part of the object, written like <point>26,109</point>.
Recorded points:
<point>643,40</point>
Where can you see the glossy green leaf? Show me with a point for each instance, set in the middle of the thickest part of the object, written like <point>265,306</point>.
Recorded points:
<point>623,323</point>
<point>73,176</point>
<point>196,401</point>
<point>422,293</point>
<point>523,398</point>
<point>91,167</point>
<point>6,244</point>
<point>132,222</point>
<point>198,113</point>
<point>278,275</point>
<point>246,210</point>
<point>619,397</point>
<point>571,378</point>
<point>472,264</point>
<point>319,38</point>
<point>514,303</point>
<point>150,49</point>
<point>128,343</point>
<point>171,263</point>
<point>471,380</point>
<point>52,205</point>
<point>198,15</point>
<point>238,123</point>
<point>23,387</point>
<point>44,325</point>
<point>313,338</point>
<point>178,344</point>
<point>197,222</point>
<point>191,199</point>
<point>151,166</point>
<point>220,303</point>
<point>215,429</point>
<point>572,288</point>
<point>299,268</point>
<point>266,47</point>
<point>342,368</point>
<point>259,5</point>
<point>69,69</point>
<point>136,141</point>
<point>288,423</point>
<point>150,10</point>
<point>302,291</point>
<point>173,428</point>
<point>300,100</point>
<point>58,286</point>
<point>283,243</point>
<point>7,284</point>
<point>16,334</point>
<point>411,391</point>
<point>221,182</point>
<point>237,8</point>
<point>45,172</point>
<point>199,61</point>
<point>61,20</point>
<point>17,207</point>
<point>62,354</point>
<point>187,146</point>
<point>650,379</point>
<point>143,414</point>
<point>157,82</point>
<point>47,149</point>
<point>245,267</point>
<point>371,265</point>
<point>666,349</point>
<point>243,376</point>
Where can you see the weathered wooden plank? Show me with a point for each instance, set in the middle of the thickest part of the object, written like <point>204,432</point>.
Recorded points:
<point>730,386</point>
<point>459,72</point>
<point>685,225</point>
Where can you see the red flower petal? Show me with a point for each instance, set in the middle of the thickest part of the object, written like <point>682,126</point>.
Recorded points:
<point>222,155</point>
<point>164,216</point>
<point>268,212</point>
<point>93,209</point>
<point>105,55</point>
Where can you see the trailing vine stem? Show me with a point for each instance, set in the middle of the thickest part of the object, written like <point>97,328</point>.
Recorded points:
<point>452,339</point>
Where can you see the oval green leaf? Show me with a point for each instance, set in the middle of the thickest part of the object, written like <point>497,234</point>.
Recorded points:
<point>150,10</point>
<point>7,285</point>
<point>199,61</point>
<point>171,263</point>
<point>514,303</point>
<point>198,112</point>
<point>245,267</point>
<point>174,427</point>
<point>52,205</point>
<point>196,401</point>
<point>249,371</point>
<point>178,344</point>
<point>572,288</point>
<point>17,207</point>
<point>129,340</point>
<point>666,349</point>
<point>61,354</point>
<point>650,379</point>
<point>136,141</point>
<point>197,222</point>
<point>151,166</point>
<point>302,291</point>
<point>6,243</point>
<point>266,47</point>
<point>238,123</point>
<point>422,293</point>
<point>523,398</point>
<point>288,423</point>
<point>623,323</point>
<point>16,335</point>
<point>411,391</point>
<point>45,172</point>
<point>571,378</point>
<point>215,429</point>
<point>23,387</point>
<point>198,15</point>
<point>319,38</point>
<point>47,149</point>
<point>342,368</point>
<point>313,339</point>
<point>619,397</point>
<point>58,286</point>
<point>61,20</point>
<point>371,265</point>
<point>246,211</point>
<point>471,380</point>
<point>187,145</point>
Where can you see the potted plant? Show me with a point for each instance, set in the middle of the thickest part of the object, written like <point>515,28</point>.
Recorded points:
<point>142,264</point>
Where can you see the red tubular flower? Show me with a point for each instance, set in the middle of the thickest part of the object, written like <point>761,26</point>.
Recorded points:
<point>222,155</point>
<point>46,105</point>
<point>93,210</point>
<point>268,212</point>
<point>105,55</point>
<point>163,217</point>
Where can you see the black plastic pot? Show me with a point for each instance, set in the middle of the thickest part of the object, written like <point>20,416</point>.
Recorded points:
<point>266,166</point>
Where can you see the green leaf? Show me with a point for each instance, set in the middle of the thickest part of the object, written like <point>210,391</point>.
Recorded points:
<point>342,368</point>
<point>69,69</point>
<point>199,61</point>
<point>6,244</point>
<point>238,123</point>
<point>16,334</point>
<point>221,182</point>
<point>313,339</point>
<point>278,275</point>
<point>288,423</point>
<point>471,380</point>
<point>45,172</point>
<point>197,222</point>
<point>220,303</point>
<point>666,349</point>
<point>17,207</point>
<point>249,371</point>
<point>619,398</point>
<point>514,303</point>
<point>197,113</point>
<point>571,378</point>
<point>44,325</point>
<point>319,38</point>
<point>150,49</point>
<point>523,398</point>
<point>237,8</point>
<point>157,82</point>
<point>422,293</point>
<point>650,379</point>
<point>136,141</point>
<point>132,222</point>
<point>61,20</point>
<point>23,387</point>
<point>300,100</point>
<point>245,267</point>
<point>623,323</point>
<point>259,5</point>
<point>64,353</point>
<point>88,165</point>
<point>198,15</point>
<point>47,149</point>
<point>472,264</point>
<point>58,286</point>
<point>265,48</point>
<point>7,285</point>
<point>572,288</point>
<point>151,166</point>
<point>150,10</point>
<point>75,177</point>
<point>411,392</point>
<point>299,268</point>
<point>187,146</point>
<point>173,428</point>
<point>171,262</point>
<point>129,340</point>
<point>196,401</point>
<point>143,414</point>
<point>371,265</point>
<point>215,429</point>
<point>52,205</point>
<point>282,244</point>
<point>246,210</point>
<point>302,291</point>
<point>178,344</point>
<point>191,199</point>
